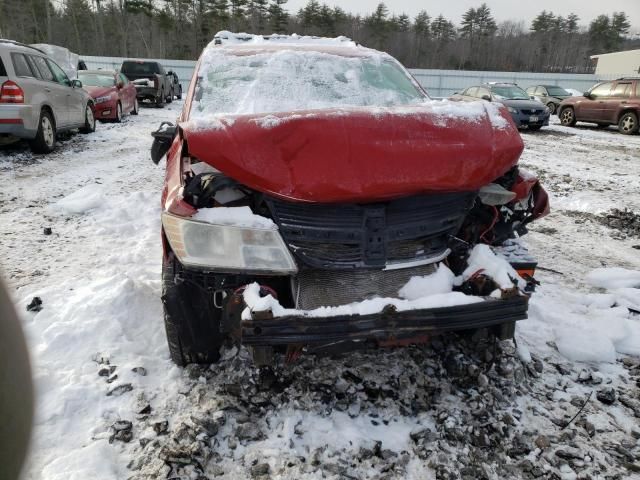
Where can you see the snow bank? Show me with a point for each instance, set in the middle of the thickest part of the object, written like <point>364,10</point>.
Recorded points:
<point>234,216</point>
<point>80,201</point>
<point>441,281</point>
<point>614,277</point>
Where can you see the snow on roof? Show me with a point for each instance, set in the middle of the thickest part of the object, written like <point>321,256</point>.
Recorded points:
<point>229,38</point>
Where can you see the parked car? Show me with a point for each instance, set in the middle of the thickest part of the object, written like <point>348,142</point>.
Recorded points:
<point>176,86</point>
<point>309,173</point>
<point>550,95</point>
<point>113,94</point>
<point>37,99</point>
<point>607,103</point>
<point>523,110</point>
<point>150,79</point>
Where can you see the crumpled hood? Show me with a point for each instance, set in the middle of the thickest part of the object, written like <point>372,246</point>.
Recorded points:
<point>96,92</point>
<point>360,154</point>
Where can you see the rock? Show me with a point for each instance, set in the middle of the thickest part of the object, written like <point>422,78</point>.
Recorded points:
<point>104,372</point>
<point>211,423</point>
<point>175,455</point>
<point>140,371</point>
<point>542,442</point>
<point>259,470</point>
<point>606,395</point>
<point>483,381</point>
<point>161,428</point>
<point>249,431</point>
<point>216,470</point>
<point>146,410</point>
<point>120,390</point>
<point>122,425</point>
<point>112,378</point>
<point>569,453</point>
<point>122,431</point>
<point>47,231</point>
<point>35,305</point>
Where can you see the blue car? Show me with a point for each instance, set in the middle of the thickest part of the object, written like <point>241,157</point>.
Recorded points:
<point>525,111</point>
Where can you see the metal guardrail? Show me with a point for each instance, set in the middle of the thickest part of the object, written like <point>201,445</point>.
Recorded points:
<point>439,83</point>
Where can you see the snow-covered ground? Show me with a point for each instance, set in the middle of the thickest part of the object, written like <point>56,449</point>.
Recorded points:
<point>110,405</point>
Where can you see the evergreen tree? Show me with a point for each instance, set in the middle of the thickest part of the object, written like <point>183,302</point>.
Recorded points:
<point>278,16</point>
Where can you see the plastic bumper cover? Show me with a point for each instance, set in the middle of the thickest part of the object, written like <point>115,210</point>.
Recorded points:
<point>388,325</point>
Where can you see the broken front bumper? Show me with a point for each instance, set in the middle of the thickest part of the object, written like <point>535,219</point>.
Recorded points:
<point>387,327</point>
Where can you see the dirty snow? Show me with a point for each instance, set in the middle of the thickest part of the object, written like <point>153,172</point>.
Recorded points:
<point>236,216</point>
<point>450,408</point>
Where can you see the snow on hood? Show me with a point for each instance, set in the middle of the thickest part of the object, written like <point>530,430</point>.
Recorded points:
<point>230,38</point>
<point>360,153</point>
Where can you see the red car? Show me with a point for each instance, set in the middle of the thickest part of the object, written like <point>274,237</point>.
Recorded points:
<point>317,200</point>
<point>113,93</point>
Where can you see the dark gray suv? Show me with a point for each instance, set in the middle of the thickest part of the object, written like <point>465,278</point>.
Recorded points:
<point>524,111</point>
<point>37,99</point>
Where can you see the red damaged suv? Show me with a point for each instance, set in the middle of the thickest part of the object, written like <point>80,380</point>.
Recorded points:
<point>317,200</point>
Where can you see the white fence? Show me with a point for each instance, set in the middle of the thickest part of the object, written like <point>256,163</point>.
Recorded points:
<point>439,83</point>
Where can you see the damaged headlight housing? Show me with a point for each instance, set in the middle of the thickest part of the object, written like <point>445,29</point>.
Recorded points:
<point>228,248</point>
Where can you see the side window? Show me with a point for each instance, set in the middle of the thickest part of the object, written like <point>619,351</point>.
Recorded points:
<point>43,69</point>
<point>622,90</point>
<point>483,91</point>
<point>3,72</point>
<point>21,66</point>
<point>541,91</point>
<point>471,92</point>
<point>161,70</point>
<point>58,73</point>
<point>602,90</point>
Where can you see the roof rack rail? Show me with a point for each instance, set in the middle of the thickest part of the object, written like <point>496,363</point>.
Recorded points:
<point>19,44</point>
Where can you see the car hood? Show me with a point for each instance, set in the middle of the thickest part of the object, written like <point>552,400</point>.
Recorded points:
<point>360,154</point>
<point>522,103</point>
<point>96,92</point>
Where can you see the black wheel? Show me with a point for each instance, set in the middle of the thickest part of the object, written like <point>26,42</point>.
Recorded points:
<point>160,100</point>
<point>118,118</point>
<point>628,123</point>
<point>89,120</point>
<point>179,96</point>
<point>45,141</point>
<point>170,97</point>
<point>136,107</point>
<point>191,320</point>
<point>535,128</point>
<point>568,117</point>
<point>552,108</point>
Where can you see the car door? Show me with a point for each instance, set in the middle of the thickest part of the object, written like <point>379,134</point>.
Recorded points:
<point>592,109</point>
<point>620,94</point>
<point>127,92</point>
<point>76,99</point>
<point>56,93</point>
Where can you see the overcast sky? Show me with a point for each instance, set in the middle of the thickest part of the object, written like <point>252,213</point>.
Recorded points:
<point>587,10</point>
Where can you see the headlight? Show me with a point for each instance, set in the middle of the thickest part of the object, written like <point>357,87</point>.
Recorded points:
<point>512,110</point>
<point>224,247</point>
<point>103,99</point>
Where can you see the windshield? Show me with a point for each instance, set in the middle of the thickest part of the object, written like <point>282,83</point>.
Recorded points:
<point>289,80</point>
<point>140,68</point>
<point>558,92</point>
<point>509,92</point>
<point>96,80</point>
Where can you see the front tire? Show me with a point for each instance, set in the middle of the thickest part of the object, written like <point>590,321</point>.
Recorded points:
<point>192,322</point>
<point>118,118</point>
<point>628,124</point>
<point>160,100</point>
<point>552,108</point>
<point>179,96</point>
<point>45,141</point>
<point>136,107</point>
<point>89,120</point>
<point>568,117</point>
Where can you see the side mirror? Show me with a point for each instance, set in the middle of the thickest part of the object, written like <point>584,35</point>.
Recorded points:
<point>486,97</point>
<point>170,72</point>
<point>76,83</point>
<point>532,97</point>
<point>587,94</point>
<point>162,139</point>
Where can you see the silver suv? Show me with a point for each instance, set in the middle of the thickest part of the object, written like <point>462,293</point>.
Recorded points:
<point>37,99</point>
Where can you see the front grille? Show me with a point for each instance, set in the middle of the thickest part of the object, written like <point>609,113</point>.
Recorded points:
<point>314,288</point>
<point>347,236</point>
<point>532,111</point>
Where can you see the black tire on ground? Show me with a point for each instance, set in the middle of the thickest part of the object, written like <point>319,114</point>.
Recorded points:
<point>160,100</point>
<point>552,107</point>
<point>506,331</point>
<point>535,128</point>
<point>628,123</point>
<point>89,120</point>
<point>170,97</point>
<point>136,107</point>
<point>567,117</point>
<point>179,96</point>
<point>118,118</point>
<point>192,322</point>
<point>45,141</point>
